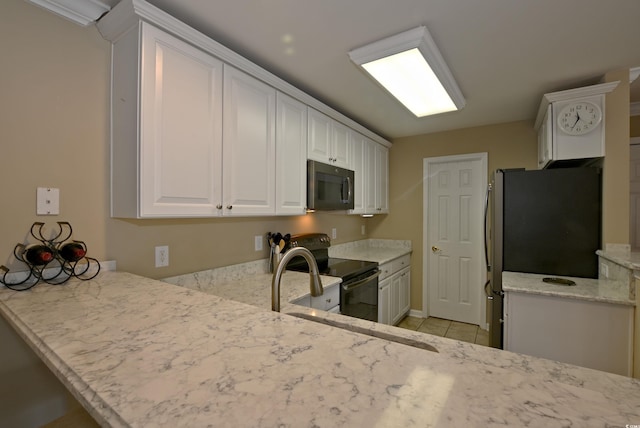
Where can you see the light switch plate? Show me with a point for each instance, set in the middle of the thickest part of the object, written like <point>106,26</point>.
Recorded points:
<point>48,201</point>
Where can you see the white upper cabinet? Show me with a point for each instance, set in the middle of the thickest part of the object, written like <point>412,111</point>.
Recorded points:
<point>291,156</point>
<point>328,140</point>
<point>178,103</point>
<point>199,131</point>
<point>370,162</point>
<point>381,179</point>
<point>358,146</point>
<point>570,125</point>
<point>249,145</point>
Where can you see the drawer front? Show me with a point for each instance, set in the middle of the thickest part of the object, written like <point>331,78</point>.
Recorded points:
<point>401,262</point>
<point>329,299</point>
<point>385,270</point>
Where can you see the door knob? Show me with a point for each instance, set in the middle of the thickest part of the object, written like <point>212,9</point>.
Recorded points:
<point>435,249</point>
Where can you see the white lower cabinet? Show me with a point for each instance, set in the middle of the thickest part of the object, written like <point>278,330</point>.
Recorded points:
<point>394,288</point>
<point>384,301</point>
<point>596,335</point>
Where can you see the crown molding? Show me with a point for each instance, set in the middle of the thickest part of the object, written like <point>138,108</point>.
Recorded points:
<point>82,12</point>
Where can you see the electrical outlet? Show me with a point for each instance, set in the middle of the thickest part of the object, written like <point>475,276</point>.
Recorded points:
<point>162,256</point>
<point>258,242</point>
<point>334,233</point>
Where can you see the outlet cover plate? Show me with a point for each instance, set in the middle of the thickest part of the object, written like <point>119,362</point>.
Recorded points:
<point>47,201</point>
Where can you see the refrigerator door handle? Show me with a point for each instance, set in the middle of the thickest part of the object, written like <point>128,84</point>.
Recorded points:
<point>487,293</point>
<point>486,227</point>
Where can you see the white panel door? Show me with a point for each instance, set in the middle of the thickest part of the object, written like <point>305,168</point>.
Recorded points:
<point>291,155</point>
<point>181,128</point>
<point>248,145</point>
<point>454,199</point>
<point>634,197</point>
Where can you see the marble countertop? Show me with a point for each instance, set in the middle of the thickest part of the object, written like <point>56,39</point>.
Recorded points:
<point>628,260</point>
<point>372,250</point>
<point>140,352</point>
<point>597,290</point>
<point>254,289</point>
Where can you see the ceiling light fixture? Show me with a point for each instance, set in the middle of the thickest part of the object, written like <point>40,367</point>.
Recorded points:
<point>410,66</point>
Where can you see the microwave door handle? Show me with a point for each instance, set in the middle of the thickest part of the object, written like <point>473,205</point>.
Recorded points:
<point>347,180</point>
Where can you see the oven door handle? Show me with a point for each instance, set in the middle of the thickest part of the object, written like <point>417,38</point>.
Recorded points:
<point>351,286</point>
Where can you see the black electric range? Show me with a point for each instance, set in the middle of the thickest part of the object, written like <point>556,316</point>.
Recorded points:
<point>359,287</point>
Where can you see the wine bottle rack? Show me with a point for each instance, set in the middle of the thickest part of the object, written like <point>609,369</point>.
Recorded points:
<point>51,260</point>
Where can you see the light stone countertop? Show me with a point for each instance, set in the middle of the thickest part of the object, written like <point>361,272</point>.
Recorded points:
<point>253,289</point>
<point>596,290</point>
<point>628,260</point>
<point>139,352</point>
<point>372,250</point>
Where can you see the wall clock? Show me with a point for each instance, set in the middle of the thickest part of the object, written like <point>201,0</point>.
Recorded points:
<point>579,117</point>
<point>570,126</point>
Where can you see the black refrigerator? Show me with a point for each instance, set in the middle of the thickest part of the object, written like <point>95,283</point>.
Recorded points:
<point>542,221</point>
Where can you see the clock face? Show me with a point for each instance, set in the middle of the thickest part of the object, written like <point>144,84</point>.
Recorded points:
<point>579,117</point>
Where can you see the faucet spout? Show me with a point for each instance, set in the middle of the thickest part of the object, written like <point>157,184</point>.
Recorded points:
<point>315,285</point>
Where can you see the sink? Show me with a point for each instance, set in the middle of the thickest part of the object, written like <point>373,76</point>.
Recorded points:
<point>373,333</point>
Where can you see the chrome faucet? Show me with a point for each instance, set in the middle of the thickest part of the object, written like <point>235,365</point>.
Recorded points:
<point>314,277</point>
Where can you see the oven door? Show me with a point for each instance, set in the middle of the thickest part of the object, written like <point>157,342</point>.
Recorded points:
<point>359,297</point>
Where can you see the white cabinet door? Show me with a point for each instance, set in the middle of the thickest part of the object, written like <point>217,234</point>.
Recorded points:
<point>370,186</point>
<point>404,291</point>
<point>328,140</point>
<point>249,145</point>
<point>384,301</point>
<point>596,335</point>
<point>545,139</point>
<point>382,179</point>
<point>180,129</point>
<point>291,156</point>
<point>358,145</point>
<point>340,145</point>
<point>319,144</point>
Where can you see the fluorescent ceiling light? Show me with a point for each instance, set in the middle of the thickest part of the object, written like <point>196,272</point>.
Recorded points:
<point>410,67</point>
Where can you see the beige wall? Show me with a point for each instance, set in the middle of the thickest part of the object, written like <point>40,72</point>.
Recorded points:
<point>508,145</point>
<point>634,126</point>
<point>54,119</point>
<point>615,177</point>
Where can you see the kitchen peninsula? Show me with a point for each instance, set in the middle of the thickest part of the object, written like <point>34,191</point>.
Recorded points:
<point>139,352</point>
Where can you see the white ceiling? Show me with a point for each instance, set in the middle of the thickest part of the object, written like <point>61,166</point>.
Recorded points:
<point>504,54</point>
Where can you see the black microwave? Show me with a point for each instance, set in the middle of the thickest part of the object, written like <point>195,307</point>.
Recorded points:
<point>329,187</point>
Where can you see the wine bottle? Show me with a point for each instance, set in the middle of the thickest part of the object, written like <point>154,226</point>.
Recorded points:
<point>38,254</point>
<point>73,251</point>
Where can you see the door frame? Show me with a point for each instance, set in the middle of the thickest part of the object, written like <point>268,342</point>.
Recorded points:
<point>427,162</point>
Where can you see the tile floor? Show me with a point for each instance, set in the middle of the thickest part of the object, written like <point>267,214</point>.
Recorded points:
<point>446,328</point>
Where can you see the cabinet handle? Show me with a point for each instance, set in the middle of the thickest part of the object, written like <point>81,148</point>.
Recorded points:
<point>229,207</point>
<point>219,206</point>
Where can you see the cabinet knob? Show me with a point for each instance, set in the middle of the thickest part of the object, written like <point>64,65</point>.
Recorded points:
<point>229,207</point>
<point>219,206</point>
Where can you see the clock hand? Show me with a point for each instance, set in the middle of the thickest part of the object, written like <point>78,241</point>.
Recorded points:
<point>577,120</point>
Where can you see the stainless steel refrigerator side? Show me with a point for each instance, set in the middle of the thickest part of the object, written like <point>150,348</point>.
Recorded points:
<point>497,240</point>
